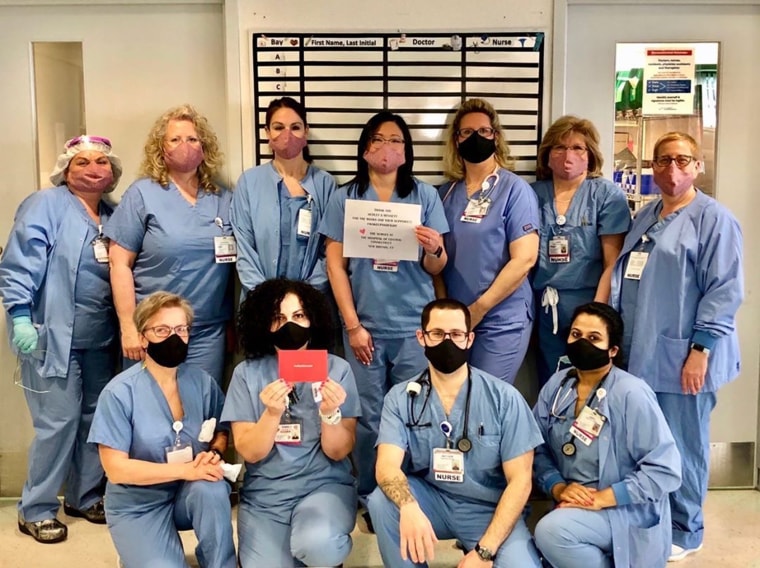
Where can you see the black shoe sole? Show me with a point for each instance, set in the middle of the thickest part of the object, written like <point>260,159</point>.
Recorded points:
<point>24,530</point>
<point>72,512</point>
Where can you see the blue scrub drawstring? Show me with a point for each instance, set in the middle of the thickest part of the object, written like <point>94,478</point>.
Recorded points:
<point>550,299</point>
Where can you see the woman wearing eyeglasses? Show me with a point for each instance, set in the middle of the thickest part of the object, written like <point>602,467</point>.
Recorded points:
<point>277,207</point>
<point>608,459</point>
<point>678,283</point>
<point>172,232</point>
<point>380,300</point>
<point>584,218</point>
<point>158,434</point>
<point>493,243</point>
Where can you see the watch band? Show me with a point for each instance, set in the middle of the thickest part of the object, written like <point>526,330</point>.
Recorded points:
<point>438,252</point>
<point>700,347</point>
<point>217,452</point>
<point>484,553</point>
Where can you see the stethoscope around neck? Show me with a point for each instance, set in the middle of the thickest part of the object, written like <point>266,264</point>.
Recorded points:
<point>486,188</point>
<point>414,388</point>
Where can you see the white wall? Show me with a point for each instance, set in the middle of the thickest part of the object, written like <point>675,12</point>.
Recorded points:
<point>138,61</point>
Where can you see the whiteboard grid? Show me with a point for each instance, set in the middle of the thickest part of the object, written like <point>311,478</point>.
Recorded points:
<point>344,79</point>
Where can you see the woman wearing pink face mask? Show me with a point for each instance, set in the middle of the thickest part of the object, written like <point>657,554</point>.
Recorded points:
<point>584,219</point>
<point>172,232</point>
<point>380,300</point>
<point>277,206</point>
<point>55,288</point>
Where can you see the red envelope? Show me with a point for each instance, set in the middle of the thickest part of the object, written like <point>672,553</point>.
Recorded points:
<point>303,365</point>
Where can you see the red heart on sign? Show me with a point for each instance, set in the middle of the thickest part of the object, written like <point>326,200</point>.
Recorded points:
<point>362,231</point>
<point>293,42</point>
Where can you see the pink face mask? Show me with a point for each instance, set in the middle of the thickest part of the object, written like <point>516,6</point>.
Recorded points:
<point>674,181</point>
<point>568,165</point>
<point>184,158</point>
<point>385,160</point>
<point>286,145</point>
<point>95,178</point>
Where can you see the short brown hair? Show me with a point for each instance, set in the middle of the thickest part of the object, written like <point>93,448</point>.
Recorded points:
<point>677,137</point>
<point>562,127</point>
<point>156,302</point>
<point>445,304</point>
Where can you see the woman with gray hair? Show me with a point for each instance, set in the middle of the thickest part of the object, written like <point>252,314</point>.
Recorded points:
<point>55,287</point>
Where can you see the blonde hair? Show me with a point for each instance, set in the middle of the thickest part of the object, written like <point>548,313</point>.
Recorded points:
<point>153,165</point>
<point>561,128</point>
<point>156,302</point>
<point>677,137</point>
<point>453,165</point>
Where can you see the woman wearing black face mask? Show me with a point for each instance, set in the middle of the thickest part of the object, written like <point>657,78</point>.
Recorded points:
<point>493,239</point>
<point>161,445</point>
<point>609,459</point>
<point>298,503</point>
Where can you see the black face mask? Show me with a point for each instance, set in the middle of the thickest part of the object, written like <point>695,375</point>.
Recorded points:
<point>291,336</point>
<point>168,353</point>
<point>447,356</point>
<point>476,148</point>
<point>585,356</point>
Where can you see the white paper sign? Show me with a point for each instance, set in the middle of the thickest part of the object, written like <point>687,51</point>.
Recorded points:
<point>379,229</point>
<point>669,81</point>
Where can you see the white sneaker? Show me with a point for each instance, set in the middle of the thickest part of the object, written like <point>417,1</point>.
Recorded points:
<point>679,553</point>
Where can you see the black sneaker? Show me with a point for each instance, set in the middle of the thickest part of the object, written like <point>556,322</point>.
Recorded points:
<point>95,514</point>
<point>48,531</point>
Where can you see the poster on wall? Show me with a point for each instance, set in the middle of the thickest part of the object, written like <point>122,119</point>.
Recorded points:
<point>669,74</point>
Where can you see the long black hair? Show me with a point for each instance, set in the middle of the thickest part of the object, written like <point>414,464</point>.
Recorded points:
<point>612,321</point>
<point>298,108</point>
<point>404,179</point>
<point>262,304</point>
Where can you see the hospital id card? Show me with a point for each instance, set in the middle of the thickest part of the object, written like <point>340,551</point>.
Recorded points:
<point>179,453</point>
<point>289,432</point>
<point>637,260</point>
<point>559,250</point>
<point>100,248</point>
<point>379,265</point>
<point>304,223</point>
<point>587,425</point>
<point>448,465</point>
<point>225,249</point>
<point>475,211</point>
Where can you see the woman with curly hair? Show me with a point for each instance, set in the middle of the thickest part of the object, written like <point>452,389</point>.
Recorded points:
<point>172,232</point>
<point>298,502</point>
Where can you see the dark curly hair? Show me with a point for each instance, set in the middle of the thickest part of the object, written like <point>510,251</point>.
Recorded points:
<point>612,321</point>
<point>262,304</point>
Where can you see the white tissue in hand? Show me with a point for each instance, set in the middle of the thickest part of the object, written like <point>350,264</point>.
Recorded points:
<point>207,430</point>
<point>231,471</point>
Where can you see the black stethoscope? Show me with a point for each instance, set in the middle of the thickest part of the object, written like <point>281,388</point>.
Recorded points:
<point>568,448</point>
<point>414,388</point>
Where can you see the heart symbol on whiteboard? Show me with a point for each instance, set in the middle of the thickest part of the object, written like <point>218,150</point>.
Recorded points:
<point>362,231</point>
<point>294,42</point>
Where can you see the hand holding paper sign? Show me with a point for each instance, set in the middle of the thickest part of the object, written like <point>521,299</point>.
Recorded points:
<point>381,229</point>
<point>429,239</point>
<point>333,396</point>
<point>274,395</point>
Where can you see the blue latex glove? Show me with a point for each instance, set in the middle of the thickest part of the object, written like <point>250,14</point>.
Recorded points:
<point>24,334</point>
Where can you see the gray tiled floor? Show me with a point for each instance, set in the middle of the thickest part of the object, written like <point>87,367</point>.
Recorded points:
<point>732,541</point>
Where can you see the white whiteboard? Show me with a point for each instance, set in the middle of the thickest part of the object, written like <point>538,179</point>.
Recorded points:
<point>344,79</point>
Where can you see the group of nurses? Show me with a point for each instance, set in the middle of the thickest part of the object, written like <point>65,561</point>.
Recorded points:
<point>298,501</point>
<point>172,232</point>
<point>608,458</point>
<point>584,218</point>
<point>158,434</point>
<point>56,292</point>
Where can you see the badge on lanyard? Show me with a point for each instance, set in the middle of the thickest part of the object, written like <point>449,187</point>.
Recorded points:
<point>637,260</point>
<point>100,246</point>
<point>380,265</point>
<point>225,247</point>
<point>304,219</point>
<point>448,465</point>
<point>475,211</point>
<point>179,452</point>
<point>289,431</point>
<point>559,250</point>
<point>587,425</point>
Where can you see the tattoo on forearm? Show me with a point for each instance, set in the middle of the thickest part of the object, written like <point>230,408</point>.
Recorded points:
<point>397,490</point>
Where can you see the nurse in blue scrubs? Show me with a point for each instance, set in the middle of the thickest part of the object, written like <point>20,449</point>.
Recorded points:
<point>298,502</point>
<point>61,322</point>
<point>380,299</point>
<point>172,232</point>
<point>584,219</point>
<point>493,242</point>
<point>277,207</point>
<point>158,434</point>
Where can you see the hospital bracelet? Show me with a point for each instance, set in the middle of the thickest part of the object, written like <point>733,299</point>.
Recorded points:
<point>333,418</point>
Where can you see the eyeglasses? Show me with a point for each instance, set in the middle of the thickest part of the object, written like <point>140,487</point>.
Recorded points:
<point>438,335</point>
<point>164,331</point>
<point>88,139</point>
<point>681,160</point>
<point>576,149</point>
<point>177,140</point>
<point>485,132</point>
<point>377,141</point>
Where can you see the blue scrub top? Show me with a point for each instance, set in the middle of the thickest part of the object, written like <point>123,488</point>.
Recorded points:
<point>276,483</point>
<point>174,242</point>
<point>497,410</point>
<point>479,251</point>
<point>292,246</point>
<point>389,304</point>
<point>598,208</point>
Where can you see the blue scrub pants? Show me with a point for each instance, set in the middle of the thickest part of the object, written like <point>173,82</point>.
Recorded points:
<point>689,419</point>
<point>61,420</point>
<point>550,346</point>
<point>500,351</point>
<point>464,520</point>
<point>319,532</point>
<point>575,538</point>
<point>393,361</point>
<point>146,536</point>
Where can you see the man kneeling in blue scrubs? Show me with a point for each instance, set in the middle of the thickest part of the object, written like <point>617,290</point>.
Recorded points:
<point>454,456</point>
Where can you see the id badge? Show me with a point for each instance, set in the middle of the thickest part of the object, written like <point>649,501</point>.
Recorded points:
<point>100,248</point>
<point>179,453</point>
<point>379,265</point>
<point>304,223</point>
<point>559,250</point>
<point>637,260</point>
<point>289,432</point>
<point>475,211</point>
<point>225,249</point>
<point>587,425</point>
<point>448,465</point>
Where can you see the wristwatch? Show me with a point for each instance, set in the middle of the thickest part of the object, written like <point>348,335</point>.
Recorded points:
<point>700,347</point>
<point>333,418</point>
<point>485,554</point>
<point>438,252</point>
<point>217,452</point>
